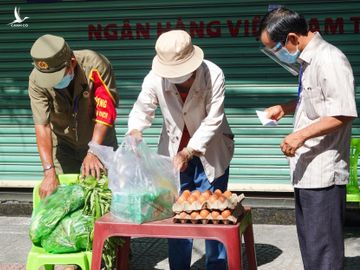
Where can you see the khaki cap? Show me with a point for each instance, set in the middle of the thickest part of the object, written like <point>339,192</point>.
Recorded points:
<point>176,56</point>
<point>51,56</point>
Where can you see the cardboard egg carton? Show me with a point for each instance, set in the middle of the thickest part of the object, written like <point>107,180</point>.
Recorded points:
<point>225,203</point>
<point>213,216</point>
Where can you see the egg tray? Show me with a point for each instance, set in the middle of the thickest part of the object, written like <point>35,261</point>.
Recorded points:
<point>229,203</point>
<point>231,219</point>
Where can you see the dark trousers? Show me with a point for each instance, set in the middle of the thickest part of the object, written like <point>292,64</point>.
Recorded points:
<point>319,222</point>
<point>67,159</point>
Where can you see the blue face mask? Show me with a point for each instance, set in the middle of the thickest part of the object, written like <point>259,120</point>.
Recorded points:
<point>284,55</point>
<point>65,81</point>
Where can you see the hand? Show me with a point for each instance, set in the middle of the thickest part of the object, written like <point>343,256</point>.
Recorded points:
<point>91,165</point>
<point>136,134</point>
<point>291,143</point>
<point>275,112</point>
<point>49,183</point>
<point>181,160</point>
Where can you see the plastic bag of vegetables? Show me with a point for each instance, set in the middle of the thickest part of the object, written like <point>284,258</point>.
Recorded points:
<point>72,234</point>
<point>53,208</point>
<point>144,184</point>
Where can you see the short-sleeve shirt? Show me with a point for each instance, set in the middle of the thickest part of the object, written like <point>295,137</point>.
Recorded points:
<point>71,111</point>
<point>327,90</point>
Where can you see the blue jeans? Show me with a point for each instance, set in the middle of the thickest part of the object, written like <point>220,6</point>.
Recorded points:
<point>194,178</point>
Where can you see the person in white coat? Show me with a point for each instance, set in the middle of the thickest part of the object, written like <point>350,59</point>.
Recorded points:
<point>190,92</point>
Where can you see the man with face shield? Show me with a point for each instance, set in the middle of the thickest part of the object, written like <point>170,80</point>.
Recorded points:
<point>318,148</point>
<point>190,92</point>
<point>73,99</point>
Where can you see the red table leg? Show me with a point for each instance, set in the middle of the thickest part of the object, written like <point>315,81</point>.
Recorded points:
<point>122,255</point>
<point>250,247</point>
<point>98,244</point>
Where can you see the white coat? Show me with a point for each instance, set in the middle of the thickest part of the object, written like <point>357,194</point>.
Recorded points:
<point>202,113</point>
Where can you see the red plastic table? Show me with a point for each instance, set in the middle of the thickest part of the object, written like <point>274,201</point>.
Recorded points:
<point>229,235</point>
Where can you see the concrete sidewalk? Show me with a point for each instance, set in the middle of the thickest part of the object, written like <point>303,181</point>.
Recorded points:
<point>276,248</point>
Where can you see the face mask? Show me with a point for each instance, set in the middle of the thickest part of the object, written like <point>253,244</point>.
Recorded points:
<point>65,81</point>
<point>284,55</point>
<point>181,79</point>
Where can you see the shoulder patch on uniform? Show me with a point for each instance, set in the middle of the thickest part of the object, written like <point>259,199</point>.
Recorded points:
<point>96,78</point>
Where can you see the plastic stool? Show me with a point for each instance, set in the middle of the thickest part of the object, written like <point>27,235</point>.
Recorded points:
<point>38,257</point>
<point>229,235</point>
<point>352,188</point>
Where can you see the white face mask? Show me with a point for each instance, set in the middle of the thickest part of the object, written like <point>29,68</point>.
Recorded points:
<point>181,79</point>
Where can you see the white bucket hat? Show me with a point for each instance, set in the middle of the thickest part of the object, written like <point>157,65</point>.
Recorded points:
<point>176,56</point>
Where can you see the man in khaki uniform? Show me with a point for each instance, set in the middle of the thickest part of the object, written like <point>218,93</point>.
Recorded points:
<point>73,99</point>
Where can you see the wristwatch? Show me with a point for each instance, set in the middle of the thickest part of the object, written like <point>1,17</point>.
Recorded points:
<point>48,167</point>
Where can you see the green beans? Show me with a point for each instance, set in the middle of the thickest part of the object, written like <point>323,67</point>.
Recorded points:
<point>97,203</point>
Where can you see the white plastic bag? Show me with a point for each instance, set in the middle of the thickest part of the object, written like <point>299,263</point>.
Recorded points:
<point>144,184</point>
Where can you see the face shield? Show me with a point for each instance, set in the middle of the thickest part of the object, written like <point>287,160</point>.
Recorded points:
<point>272,54</point>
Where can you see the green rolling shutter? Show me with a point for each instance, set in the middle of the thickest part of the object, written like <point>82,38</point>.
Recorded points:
<point>125,32</point>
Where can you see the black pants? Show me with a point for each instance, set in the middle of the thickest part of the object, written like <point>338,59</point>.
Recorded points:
<point>67,159</point>
<point>319,220</point>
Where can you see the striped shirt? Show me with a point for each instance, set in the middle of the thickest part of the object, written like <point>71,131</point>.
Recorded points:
<point>327,89</point>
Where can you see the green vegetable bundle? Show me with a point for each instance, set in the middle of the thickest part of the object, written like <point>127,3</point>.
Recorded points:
<point>98,198</point>
<point>72,234</point>
<point>65,200</point>
<point>64,221</point>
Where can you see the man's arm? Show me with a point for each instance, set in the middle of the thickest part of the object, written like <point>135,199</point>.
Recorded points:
<point>143,112</point>
<point>44,143</point>
<point>278,111</point>
<point>105,115</point>
<point>91,164</point>
<point>324,126</point>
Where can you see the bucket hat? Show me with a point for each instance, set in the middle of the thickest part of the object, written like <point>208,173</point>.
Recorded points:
<point>51,57</point>
<point>176,56</point>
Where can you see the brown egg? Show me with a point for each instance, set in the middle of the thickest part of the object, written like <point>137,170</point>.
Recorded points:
<point>206,194</point>
<point>196,193</point>
<point>222,198</point>
<point>215,214</point>
<point>201,199</point>
<point>213,198</point>
<point>183,215</point>
<point>181,199</point>
<point>227,193</point>
<point>194,214</point>
<point>191,199</point>
<point>186,193</point>
<point>204,213</point>
<point>218,192</point>
<point>226,213</point>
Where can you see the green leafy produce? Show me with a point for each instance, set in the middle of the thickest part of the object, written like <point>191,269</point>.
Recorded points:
<point>72,234</point>
<point>98,198</point>
<point>53,208</point>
